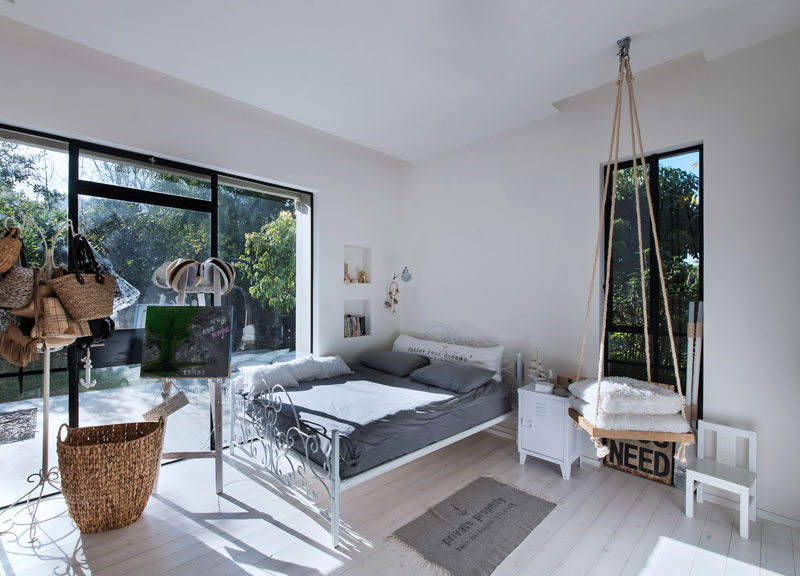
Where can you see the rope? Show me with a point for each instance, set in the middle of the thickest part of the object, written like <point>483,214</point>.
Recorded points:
<point>646,334</point>
<point>600,224</point>
<point>658,251</point>
<point>600,367</point>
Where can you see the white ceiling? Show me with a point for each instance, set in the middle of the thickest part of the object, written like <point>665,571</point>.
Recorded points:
<point>410,78</point>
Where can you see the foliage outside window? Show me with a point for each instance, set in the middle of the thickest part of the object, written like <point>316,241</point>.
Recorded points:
<point>33,185</point>
<point>140,215</point>
<point>675,182</point>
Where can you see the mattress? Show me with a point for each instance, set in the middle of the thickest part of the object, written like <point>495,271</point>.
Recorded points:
<point>371,437</point>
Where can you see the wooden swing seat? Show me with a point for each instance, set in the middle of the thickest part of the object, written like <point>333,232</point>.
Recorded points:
<point>643,435</point>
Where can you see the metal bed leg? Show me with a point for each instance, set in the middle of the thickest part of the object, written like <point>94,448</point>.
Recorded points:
<point>335,481</point>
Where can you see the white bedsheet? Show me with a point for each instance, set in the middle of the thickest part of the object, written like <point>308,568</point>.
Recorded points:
<point>359,402</point>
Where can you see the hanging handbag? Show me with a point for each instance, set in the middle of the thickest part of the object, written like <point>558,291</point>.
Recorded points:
<point>10,246</point>
<point>16,285</point>
<point>52,321</point>
<point>18,349</point>
<point>85,296</point>
<point>100,331</point>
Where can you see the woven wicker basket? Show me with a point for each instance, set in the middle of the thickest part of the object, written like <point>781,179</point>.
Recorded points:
<point>108,472</point>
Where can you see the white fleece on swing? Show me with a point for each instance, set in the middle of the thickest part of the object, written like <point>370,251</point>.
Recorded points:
<point>617,421</point>
<point>621,395</point>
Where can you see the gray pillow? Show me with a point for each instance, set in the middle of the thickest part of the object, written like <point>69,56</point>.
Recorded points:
<point>398,363</point>
<point>459,378</point>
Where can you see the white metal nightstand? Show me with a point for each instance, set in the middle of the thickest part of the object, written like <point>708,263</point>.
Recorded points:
<point>545,430</point>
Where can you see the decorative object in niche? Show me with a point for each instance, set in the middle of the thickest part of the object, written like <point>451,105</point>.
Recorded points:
<point>357,259</point>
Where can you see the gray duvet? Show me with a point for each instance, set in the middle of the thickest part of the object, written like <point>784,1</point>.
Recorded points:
<point>381,417</point>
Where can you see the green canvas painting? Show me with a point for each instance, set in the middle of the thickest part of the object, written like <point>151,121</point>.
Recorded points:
<point>187,342</point>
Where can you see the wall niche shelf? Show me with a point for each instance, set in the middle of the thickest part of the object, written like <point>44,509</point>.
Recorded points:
<point>357,318</point>
<point>356,259</point>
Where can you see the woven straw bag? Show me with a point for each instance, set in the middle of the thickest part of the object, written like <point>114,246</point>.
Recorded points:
<point>87,296</point>
<point>108,472</point>
<point>16,287</point>
<point>10,245</point>
<point>125,293</point>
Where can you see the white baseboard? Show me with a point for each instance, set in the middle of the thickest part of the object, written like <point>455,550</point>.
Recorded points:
<point>761,513</point>
<point>589,461</point>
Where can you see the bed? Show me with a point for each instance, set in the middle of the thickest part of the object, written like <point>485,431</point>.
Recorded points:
<point>325,435</point>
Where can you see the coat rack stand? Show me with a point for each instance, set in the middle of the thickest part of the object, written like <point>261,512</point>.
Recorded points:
<point>46,475</point>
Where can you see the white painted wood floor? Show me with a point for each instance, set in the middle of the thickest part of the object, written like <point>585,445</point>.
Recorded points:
<point>608,523</point>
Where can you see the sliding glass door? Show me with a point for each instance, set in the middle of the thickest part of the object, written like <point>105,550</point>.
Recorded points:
<point>140,213</point>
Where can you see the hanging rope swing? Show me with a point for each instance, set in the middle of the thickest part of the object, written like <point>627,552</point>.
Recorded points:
<point>625,76</point>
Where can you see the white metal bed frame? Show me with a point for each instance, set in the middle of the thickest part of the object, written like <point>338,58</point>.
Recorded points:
<point>286,454</point>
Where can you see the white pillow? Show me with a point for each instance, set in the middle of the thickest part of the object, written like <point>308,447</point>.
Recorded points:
<point>632,421</point>
<point>258,379</point>
<point>305,368</point>
<point>491,358</point>
<point>622,395</point>
<point>331,367</point>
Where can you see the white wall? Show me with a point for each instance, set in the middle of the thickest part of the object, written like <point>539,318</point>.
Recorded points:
<point>61,87</point>
<point>501,235</point>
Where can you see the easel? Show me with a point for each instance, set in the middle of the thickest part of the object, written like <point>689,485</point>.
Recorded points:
<point>215,395</point>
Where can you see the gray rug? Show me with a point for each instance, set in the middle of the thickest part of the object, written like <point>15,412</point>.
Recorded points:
<point>18,425</point>
<point>471,532</point>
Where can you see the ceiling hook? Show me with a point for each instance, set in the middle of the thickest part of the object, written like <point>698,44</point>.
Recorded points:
<point>624,48</point>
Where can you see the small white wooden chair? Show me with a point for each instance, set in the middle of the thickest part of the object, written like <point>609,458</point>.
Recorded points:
<point>721,470</point>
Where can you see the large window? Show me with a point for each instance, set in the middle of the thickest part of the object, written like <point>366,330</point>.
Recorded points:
<point>140,213</point>
<point>676,186</point>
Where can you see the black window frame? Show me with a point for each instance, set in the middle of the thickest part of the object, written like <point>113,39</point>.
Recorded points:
<point>653,287</point>
<point>77,187</point>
